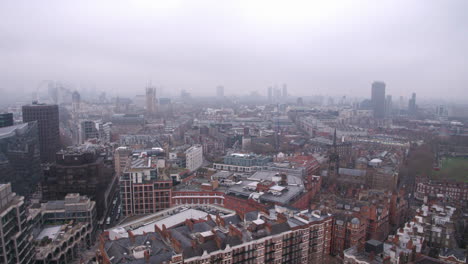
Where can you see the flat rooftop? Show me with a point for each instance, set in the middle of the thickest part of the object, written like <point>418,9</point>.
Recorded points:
<point>293,189</point>
<point>169,218</point>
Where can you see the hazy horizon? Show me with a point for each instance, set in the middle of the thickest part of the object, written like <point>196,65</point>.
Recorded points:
<point>315,47</point>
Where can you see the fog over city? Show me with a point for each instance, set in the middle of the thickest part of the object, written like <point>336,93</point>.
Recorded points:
<point>316,47</point>
<point>234,132</point>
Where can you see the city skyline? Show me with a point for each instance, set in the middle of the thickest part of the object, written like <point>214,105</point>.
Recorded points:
<point>316,48</point>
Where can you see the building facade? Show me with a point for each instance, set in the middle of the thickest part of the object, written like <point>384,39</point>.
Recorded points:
<point>20,160</point>
<point>378,99</point>
<point>47,117</point>
<point>83,171</point>
<point>6,119</point>
<point>15,242</point>
<point>143,190</point>
<point>194,157</point>
<point>253,237</point>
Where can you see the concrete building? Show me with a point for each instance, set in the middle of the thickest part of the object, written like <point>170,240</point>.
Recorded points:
<point>76,102</point>
<point>20,160</point>
<point>74,207</point>
<point>47,117</point>
<point>142,189</point>
<point>378,99</point>
<point>84,170</point>
<point>412,107</point>
<point>61,243</point>
<point>194,157</point>
<point>15,237</point>
<point>121,156</point>
<point>88,130</point>
<point>151,103</point>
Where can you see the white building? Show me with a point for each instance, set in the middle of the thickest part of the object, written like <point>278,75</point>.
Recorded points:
<point>194,157</point>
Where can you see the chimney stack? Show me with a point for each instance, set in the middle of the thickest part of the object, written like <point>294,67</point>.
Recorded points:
<point>147,256</point>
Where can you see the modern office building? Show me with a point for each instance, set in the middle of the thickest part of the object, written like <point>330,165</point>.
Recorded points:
<point>80,170</point>
<point>240,162</point>
<point>378,99</point>
<point>76,102</point>
<point>20,160</point>
<point>6,119</point>
<point>412,107</point>
<point>47,117</point>
<point>194,157</point>
<point>15,237</point>
<point>142,189</point>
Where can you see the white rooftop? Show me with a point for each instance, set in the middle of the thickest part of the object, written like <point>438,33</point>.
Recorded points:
<point>50,232</point>
<point>170,221</point>
<point>277,188</point>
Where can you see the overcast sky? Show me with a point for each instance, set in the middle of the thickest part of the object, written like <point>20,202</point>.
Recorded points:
<point>316,47</point>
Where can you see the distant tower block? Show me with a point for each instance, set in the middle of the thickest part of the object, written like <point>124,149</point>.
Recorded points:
<point>378,99</point>
<point>151,100</point>
<point>220,91</point>
<point>76,101</point>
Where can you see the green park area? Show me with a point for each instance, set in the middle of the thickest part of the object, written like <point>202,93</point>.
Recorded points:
<point>452,169</point>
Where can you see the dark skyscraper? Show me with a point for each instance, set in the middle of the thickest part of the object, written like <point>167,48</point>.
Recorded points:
<point>6,119</point>
<point>378,99</point>
<point>20,160</point>
<point>47,117</point>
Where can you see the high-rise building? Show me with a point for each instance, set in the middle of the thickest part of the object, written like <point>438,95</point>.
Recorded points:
<point>47,117</point>
<point>300,101</point>
<point>388,105</point>
<point>76,101</point>
<point>270,94</point>
<point>6,119</point>
<point>412,107</point>
<point>86,171</point>
<point>151,100</point>
<point>285,91</point>
<point>20,160</point>
<point>220,91</point>
<point>442,111</point>
<point>378,99</point>
<point>194,157</point>
<point>15,236</point>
